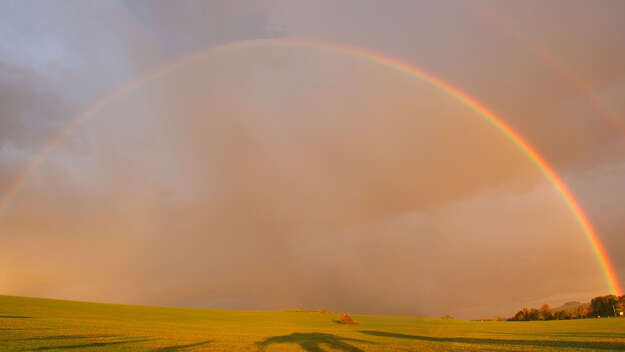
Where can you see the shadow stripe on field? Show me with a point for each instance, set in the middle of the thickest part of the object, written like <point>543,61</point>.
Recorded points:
<point>600,345</point>
<point>88,345</point>
<point>181,347</point>
<point>59,337</point>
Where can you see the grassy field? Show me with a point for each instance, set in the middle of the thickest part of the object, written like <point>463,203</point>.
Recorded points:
<point>30,324</point>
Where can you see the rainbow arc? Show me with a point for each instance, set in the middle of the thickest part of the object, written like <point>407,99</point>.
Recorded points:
<point>392,63</point>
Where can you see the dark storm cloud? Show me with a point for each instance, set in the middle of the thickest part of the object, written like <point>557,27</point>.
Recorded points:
<point>28,106</point>
<point>30,112</point>
<point>193,25</point>
<point>56,59</point>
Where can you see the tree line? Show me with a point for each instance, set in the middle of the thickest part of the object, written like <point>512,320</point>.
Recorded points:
<point>602,306</point>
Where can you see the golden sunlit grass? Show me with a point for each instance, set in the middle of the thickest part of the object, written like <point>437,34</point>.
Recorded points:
<point>30,324</point>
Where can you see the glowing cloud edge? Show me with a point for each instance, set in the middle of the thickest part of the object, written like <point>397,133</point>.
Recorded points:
<point>395,64</point>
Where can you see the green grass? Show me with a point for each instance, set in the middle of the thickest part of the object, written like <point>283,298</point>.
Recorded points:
<point>31,324</point>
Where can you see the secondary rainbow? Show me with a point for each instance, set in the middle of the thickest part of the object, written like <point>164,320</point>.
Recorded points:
<point>548,58</point>
<point>395,64</point>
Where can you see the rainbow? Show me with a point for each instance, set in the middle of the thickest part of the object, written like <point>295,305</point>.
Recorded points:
<point>392,63</point>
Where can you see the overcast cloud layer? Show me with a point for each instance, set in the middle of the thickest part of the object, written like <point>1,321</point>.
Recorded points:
<point>269,177</point>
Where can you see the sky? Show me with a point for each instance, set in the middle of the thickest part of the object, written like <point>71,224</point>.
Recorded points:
<point>269,176</point>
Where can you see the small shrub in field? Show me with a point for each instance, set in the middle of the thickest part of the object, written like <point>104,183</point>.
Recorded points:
<point>345,318</point>
<point>447,316</point>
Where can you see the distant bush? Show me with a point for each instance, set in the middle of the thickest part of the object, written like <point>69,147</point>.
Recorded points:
<point>345,318</point>
<point>447,316</point>
<point>525,314</point>
<point>545,313</point>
